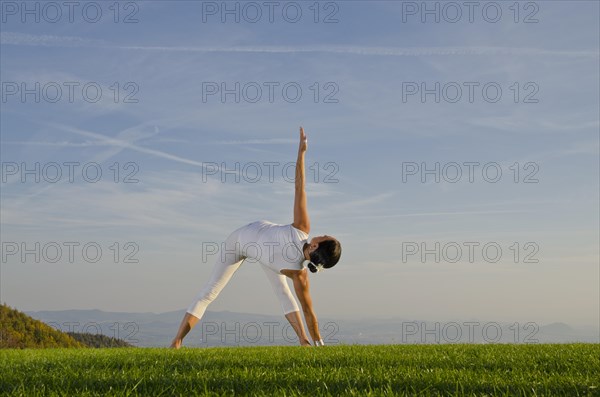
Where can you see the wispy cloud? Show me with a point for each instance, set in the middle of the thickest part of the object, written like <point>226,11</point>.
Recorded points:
<point>465,212</point>
<point>267,141</point>
<point>122,144</point>
<point>432,214</point>
<point>516,122</point>
<point>363,202</point>
<point>379,51</point>
<point>161,201</point>
<point>57,143</point>
<point>15,38</point>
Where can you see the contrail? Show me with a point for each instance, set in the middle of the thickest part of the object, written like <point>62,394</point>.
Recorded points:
<point>128,145</point>
<point>15,38</point>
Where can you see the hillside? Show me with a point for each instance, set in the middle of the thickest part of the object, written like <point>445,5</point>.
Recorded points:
<point>18,330</point>
<point>93,340</point>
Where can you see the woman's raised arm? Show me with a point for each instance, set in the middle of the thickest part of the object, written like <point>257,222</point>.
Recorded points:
<point>301,219</point>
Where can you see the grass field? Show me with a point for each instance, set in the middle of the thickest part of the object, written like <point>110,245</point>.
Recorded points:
<point>435,370</point>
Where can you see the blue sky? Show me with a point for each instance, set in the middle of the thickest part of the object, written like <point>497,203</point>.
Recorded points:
<point>364,60</point>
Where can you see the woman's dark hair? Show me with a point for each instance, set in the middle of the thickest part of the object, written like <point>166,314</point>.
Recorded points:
<point>328,254</point>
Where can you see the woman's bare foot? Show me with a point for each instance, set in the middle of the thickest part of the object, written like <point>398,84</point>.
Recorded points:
<point>187,323</point>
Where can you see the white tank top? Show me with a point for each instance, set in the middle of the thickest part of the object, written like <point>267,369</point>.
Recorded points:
<point>275,246</point>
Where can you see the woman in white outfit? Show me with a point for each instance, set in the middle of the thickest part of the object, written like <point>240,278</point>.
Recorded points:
<point>282,251</point>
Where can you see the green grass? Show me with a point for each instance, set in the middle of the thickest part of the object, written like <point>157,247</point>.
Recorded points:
<point>433,370</point>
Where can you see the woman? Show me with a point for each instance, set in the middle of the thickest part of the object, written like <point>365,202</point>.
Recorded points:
<point>282,251</point>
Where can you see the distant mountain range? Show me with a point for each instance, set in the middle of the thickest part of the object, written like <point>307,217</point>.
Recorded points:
<point>242,329</point>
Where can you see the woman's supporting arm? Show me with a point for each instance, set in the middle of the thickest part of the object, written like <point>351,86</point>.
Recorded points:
<point>301,286</point>
<point>301,219</point>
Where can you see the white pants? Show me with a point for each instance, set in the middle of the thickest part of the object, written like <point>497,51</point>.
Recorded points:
<point>224,268</point>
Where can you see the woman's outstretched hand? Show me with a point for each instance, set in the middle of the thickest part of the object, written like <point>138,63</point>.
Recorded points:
<point>303,141</point>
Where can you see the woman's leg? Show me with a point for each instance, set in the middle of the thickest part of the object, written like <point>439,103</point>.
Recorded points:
<point>288,303</point>
<point>186,326</point>
<point>227,263</point>
<point>296,322</point>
